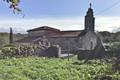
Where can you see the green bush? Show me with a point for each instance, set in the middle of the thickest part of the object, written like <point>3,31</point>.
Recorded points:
<point>8,52</point>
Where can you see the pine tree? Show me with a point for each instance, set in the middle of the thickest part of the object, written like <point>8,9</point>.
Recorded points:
<point>11,36</point>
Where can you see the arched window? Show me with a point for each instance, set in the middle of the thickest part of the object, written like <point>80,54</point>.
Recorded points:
<point>91,45</point>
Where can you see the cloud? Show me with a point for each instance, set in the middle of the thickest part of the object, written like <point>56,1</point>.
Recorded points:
<point>21,25</point>
<point>62,24</point>
<point>107,23</point>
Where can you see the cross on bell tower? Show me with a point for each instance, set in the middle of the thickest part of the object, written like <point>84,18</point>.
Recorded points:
<point>90,5</point>
<point>89,20</point>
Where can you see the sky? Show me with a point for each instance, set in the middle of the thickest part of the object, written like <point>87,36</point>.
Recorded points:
<point>60,14</point>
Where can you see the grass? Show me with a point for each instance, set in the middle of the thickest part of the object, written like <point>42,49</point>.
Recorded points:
<point>35,68</point>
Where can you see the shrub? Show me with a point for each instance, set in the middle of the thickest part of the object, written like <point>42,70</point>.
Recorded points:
<point>9,51</point>
<point>114,50</point>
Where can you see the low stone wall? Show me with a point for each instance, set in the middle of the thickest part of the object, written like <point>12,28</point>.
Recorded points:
<point>53,51</point>
<point>85,54</point>
<point>92,54</point>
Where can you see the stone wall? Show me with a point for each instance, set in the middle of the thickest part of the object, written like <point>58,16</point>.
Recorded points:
<point>66,43</point>
<point>97,51</point>
<point>52,51</point>
<point>89,40</point>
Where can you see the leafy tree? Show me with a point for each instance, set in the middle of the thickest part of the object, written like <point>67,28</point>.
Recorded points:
<point>14,5</point>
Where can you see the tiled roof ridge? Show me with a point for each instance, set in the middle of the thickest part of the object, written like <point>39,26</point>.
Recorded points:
<point>44,28</point>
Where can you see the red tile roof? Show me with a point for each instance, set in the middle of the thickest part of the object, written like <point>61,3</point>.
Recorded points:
<point>44,28</point>
<point>55,34</point>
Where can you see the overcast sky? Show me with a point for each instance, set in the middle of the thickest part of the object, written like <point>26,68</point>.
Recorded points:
<point>61,14</point>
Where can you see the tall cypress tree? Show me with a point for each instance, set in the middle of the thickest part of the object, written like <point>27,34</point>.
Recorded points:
<point>11,36</point>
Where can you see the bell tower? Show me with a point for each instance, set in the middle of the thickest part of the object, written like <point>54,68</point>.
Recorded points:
<point>90,20</point>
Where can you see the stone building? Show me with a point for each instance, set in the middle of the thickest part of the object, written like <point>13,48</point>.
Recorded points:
<point>76,40</point>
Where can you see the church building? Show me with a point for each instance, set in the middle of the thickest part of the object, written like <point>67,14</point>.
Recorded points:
<point>75,40</point>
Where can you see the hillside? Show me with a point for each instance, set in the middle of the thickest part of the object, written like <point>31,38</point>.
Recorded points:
<point>109,37</point>
<point>4,38</point>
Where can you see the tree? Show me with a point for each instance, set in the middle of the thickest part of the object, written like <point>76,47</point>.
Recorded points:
<point>11,36</point>
<point>14,5</point>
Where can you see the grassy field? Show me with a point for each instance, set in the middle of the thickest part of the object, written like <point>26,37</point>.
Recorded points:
<point>34,68</point>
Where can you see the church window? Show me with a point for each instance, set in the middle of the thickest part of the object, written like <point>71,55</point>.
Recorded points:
<point>91,45</point>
